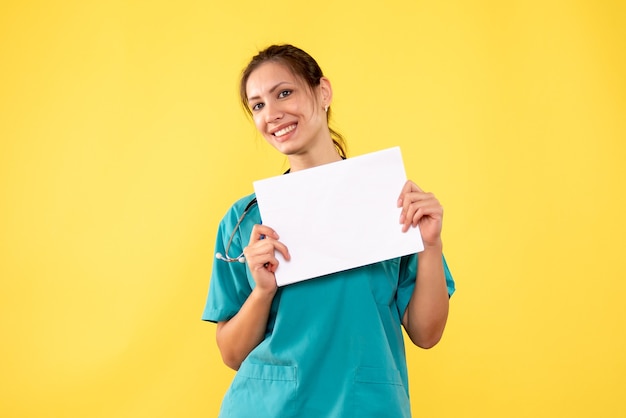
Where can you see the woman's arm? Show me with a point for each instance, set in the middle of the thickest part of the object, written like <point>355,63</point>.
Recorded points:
<point>426,315</point>
<point>427,312</point>
<point>238,336</point>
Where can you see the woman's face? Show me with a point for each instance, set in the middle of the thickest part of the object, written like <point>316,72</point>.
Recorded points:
<point>286,112</point>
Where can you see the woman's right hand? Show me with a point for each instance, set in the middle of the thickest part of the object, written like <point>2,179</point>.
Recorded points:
<point>260,256</point>
<point>238,336</point>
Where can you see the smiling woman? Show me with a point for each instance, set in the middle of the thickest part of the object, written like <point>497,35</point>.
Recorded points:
<point>358,365</point>
<point>290,115</point>
<point>298,69</point>
<point>122,144</point>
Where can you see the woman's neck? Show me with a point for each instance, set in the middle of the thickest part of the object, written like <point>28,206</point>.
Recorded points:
<point>306,160</point>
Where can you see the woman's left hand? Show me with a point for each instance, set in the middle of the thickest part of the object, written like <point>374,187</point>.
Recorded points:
<point>423,210</point>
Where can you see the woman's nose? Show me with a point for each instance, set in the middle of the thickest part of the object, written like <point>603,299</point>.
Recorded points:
<point>272,112</point>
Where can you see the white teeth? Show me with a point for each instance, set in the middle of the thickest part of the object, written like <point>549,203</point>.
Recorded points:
<point>285,130</point>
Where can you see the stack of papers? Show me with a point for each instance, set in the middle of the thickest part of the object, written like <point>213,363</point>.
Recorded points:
<point>338,216</point>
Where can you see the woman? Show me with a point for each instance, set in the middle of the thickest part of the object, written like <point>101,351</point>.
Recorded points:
<point>330,346</point>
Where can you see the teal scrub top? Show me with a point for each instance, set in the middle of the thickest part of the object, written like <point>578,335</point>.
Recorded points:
<point>333,345</point>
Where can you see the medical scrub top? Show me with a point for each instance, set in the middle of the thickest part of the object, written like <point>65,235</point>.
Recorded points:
<point>333,345</point>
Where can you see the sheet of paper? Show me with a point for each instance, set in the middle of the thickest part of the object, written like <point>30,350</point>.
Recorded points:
<point>338,216</point>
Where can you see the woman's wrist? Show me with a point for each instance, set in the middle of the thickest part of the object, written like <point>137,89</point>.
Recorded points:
<point>434,247</point>
<point>260,293</point>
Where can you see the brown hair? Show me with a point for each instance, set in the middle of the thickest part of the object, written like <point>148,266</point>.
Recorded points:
<point>302,65</point>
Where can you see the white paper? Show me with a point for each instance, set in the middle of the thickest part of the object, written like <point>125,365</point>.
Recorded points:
<point>338,216</point>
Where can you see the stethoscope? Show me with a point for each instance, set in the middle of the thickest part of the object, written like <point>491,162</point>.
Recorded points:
<point>240,258</point>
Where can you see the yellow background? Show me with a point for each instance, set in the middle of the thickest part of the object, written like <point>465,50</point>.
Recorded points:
<point>122,144</point>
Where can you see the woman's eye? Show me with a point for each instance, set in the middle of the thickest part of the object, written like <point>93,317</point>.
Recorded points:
<point>257,106</point>
<point>284,93</point>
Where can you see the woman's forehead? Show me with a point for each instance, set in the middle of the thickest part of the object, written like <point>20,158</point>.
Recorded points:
<point>268,75</point>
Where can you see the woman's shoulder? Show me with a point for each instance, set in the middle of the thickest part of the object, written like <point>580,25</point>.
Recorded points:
<point>237,218</point>
<point>242,204</point>
<point>237,210</point>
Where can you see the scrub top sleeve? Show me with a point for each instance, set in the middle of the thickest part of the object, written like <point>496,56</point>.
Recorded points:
<point>229,287</point>
<point>449,280</point>
<point>406,281</point>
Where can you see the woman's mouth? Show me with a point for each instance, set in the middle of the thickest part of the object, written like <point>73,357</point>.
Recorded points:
<point>284,131</point>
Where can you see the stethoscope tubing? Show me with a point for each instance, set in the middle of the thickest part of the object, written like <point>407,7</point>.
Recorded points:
<point>240,258</point>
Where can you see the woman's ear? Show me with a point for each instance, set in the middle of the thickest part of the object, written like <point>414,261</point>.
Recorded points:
<point>326,92</point>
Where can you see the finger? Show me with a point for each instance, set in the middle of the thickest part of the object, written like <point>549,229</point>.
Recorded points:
<point>406,198</point>
<point>272,262</point>
<point>271,265</point>
<point>405,189</point>
<point>262,253</point>
<point>259,232</point>
<point>409,187</point>
<point>431,214</point>
<point>412,201</point>
<point>426,205</point>
<point>282,249</point>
